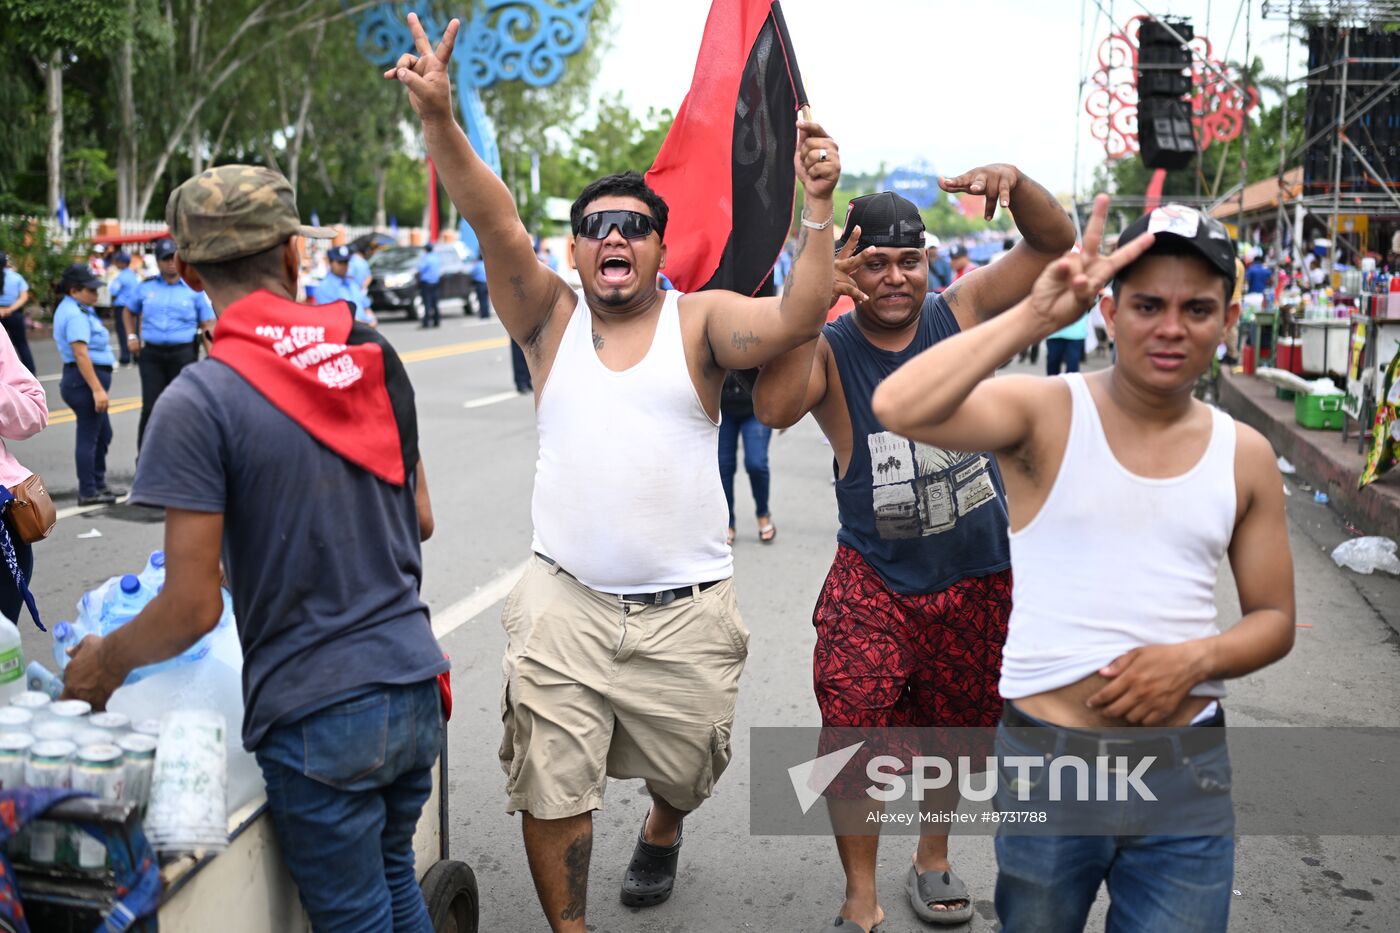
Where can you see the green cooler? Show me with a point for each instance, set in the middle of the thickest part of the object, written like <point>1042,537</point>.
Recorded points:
<point>1321,412</point>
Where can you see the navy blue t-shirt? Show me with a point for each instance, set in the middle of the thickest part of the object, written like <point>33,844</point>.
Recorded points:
<point>322,557</point>
<point>922,516</point>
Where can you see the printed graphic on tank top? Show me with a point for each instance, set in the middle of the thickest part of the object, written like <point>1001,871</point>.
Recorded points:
<point>918,489</point>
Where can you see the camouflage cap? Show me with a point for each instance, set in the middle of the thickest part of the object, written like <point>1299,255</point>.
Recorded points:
<point>234,211</point>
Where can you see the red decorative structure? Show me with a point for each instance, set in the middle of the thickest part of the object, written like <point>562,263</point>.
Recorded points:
<point>1218,110</point>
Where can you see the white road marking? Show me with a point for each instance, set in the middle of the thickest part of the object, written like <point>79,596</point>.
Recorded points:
<point>486,596</point>
<point>72,510</point>
<point>492,399</point>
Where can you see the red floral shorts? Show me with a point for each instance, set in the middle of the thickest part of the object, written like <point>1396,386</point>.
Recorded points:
<point>887,661</point>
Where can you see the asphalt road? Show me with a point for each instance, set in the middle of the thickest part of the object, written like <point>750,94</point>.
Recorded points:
<point>479,445</point>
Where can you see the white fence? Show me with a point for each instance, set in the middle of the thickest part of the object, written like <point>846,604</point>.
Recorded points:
<point>87,228</point>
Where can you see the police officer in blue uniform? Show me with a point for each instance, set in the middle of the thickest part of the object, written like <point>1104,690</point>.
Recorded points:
<point>122,289</point>
<point>14,295</point>
<point>172,316</point>
<point>340,286</point>
<point>82,344</point>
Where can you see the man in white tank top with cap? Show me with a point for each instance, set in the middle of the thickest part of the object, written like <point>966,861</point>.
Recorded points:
<point>1125,495</point>
<point>625,643</point>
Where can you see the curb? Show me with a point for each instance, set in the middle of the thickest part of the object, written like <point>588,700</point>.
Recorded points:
<point>1321,457</point>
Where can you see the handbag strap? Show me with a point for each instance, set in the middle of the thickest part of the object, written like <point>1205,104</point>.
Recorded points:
<point>7,546</point>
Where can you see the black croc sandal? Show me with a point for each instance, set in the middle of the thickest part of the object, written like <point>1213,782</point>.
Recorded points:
<point>652,872</point>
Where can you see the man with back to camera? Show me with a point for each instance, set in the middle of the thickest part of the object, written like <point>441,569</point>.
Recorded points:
<point>1126,494</point>
<point>122,289</point>
<point>625,642</point>
<point>429,272</point>
<point>293,452</point>
<point>163,318</point>
<point>912,616</point>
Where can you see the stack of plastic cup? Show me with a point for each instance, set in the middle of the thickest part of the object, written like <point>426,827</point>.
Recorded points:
<point>188,807</point>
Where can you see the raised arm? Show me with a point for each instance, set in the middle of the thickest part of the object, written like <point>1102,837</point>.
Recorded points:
<point>1046,233</point>
<point>943,395</point>
<point>746,332</point>
<point>524,291</point>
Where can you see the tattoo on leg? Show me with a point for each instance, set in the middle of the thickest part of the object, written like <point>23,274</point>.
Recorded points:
<point>517,287</point>
<point>576,875</point>
<point>597,341</point>
<point>742,342</point>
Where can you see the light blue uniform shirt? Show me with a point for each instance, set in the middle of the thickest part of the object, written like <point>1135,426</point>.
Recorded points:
<point>359,269</point>
<point>170,314</point>
<point>1076,331</point>
<point>123,288</point>
<point>74,322</point>
<point>13,286</point>
<point>336,288</point>
<point>430,268</point>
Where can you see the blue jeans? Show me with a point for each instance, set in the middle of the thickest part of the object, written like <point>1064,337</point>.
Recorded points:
<point>1060,350</point>
<point>346,786</point>
<point>756,436</point>
<point>94,431</point>
<point>1156,883</point>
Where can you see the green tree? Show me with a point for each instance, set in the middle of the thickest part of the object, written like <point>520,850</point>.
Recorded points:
<point>57,34</point>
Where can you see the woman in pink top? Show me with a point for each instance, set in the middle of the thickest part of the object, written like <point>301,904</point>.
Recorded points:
<point>24,412</point>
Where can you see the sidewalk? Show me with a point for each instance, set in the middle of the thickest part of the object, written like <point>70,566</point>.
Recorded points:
<point>1321,457</point>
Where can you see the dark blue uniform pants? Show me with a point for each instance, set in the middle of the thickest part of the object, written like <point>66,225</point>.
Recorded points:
<point>160,364</point>
<point>94,434</point>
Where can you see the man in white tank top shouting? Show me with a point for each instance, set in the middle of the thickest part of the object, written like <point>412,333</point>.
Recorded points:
<point>625,642</point>
<point>1125,494</point>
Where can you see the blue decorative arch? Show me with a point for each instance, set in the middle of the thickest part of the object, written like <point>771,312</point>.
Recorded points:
<point>507,40</point>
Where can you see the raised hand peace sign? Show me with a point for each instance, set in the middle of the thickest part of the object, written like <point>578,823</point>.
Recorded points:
<point>425,74</point>
<point>1070,284</point>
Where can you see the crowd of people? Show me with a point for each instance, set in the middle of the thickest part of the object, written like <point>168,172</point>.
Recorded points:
<point>1036,555</point>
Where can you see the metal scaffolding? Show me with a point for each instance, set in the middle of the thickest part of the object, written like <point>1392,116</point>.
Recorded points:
<point>1339,102</point>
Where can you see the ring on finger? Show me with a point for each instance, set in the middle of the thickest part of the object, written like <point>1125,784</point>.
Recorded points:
<point>821,155</point>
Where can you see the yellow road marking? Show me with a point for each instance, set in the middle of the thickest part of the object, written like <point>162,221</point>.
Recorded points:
<point>118,405</point>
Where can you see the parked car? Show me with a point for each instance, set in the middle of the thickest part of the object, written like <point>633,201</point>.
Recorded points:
<point>394,286</point>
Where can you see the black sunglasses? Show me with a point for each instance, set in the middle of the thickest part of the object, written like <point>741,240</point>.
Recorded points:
<point>631,224</point>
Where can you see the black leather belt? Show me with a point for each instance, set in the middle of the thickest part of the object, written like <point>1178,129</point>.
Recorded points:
<point>105,368</point>
<point>1050,739</point>
<point>662,598</point>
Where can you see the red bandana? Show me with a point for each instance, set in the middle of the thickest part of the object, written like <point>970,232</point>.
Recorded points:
<point>298,358</point>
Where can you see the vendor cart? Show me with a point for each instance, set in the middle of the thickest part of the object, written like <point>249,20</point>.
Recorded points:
<point>246,889</point>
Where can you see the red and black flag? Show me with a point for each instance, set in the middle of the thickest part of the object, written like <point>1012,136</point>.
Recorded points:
<point>726,167</point>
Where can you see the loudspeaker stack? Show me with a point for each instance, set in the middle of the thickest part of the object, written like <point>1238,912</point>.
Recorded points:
<point>1164,81</point>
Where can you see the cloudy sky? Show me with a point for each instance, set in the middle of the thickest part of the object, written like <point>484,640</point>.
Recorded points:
<point>956,83</point>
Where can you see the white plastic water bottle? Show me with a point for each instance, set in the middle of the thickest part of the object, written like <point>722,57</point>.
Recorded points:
<point>124,602</point>
<point>65,636</point>
<point>153,574</point>
<point>11,661</point>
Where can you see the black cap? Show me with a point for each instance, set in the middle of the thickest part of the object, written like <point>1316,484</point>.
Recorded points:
<point>1200,233</point>
<point>78,275</point>
<point>338,254</point>
<point>957,252</point>
<point>165,249</point>
<point>885,219</point>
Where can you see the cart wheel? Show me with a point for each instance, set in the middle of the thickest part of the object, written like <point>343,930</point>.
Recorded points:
<point>449,888</point>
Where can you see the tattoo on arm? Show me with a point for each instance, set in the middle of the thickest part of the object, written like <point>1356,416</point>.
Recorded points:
<point>597,341</point>
<point>742,342</point>
<point>576,876</point>
<point>517,287</point>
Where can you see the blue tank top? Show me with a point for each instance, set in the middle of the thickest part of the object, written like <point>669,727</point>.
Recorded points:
<point>922,516</point>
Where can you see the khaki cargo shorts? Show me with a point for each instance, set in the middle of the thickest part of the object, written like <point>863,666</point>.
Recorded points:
<point>595,688</point>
